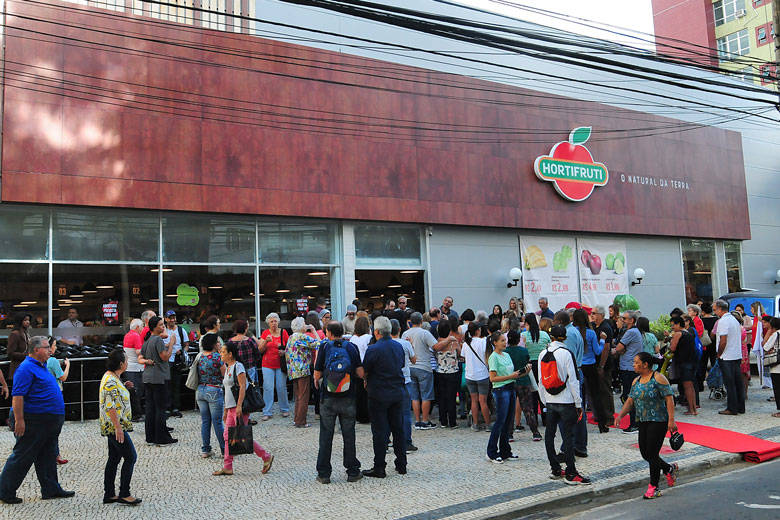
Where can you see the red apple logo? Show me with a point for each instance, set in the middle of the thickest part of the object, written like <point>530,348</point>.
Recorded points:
<point>571,168</point>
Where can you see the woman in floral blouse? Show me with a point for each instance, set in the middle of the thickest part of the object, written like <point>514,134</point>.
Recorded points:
<point>115,423</point>
<point>299,354</point>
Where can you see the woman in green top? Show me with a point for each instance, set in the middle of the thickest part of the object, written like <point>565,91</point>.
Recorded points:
<point>523,388</point>
<point>502,375</point>
<point>653,398</point>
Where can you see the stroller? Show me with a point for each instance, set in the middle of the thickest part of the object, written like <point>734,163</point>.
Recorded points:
<point>715,383</point>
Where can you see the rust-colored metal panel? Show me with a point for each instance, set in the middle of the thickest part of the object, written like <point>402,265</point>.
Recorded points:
<point>160,116</point>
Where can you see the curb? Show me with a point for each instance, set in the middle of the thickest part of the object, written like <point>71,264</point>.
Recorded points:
<point>590,493</point>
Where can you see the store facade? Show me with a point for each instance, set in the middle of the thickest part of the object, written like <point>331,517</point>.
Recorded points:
<point>117,196</point>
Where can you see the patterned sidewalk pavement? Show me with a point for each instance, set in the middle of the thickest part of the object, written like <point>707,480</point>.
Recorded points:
<point>448,477</point>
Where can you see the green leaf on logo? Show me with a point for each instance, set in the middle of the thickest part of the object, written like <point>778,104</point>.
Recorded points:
<point>580,135</point>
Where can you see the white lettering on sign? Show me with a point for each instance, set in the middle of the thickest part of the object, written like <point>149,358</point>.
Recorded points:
<point>657,182</point>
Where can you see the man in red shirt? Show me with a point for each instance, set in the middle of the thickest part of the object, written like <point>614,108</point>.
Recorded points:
<point>132,344</point>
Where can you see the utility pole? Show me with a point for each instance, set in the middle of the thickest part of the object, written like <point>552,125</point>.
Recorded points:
<point>776,25</point>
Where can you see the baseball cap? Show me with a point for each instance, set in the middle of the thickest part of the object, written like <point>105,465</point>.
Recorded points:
<point>170,313</point>
<point>573,305</point>
<point>558,331</point>
<point>351,308</point>
<point>323,312</point>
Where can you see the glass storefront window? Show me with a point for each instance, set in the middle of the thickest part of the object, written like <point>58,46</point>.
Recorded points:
<point>698,258</point>
<point>192,238</point>
<point>106,297</point>
<point>24,233</point>
<point>105,235</point>
<point>387,245</point>
<point>733,265</point>
<point>375,287</point>
<point>25,289</point>
<point>296,243</point>
<point>293,292</point>
<point>196,292</point>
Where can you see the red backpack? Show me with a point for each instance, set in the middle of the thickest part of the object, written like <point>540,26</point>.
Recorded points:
<point>548,368</point>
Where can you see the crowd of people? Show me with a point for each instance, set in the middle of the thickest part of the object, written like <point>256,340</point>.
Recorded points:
<point>390,368</point>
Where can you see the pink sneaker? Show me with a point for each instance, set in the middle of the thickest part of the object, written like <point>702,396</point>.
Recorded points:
<point>652,492</point>
<point>671,477</point>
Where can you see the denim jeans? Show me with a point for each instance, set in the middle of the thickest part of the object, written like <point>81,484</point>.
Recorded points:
<point>342,408</point>
<point>211,402</point>
<point>251,373</point>
<point>386,418</point>
<point>566,416</point>
<point>498,444</point>
<point>408,415</point>
<point>735,389</point>
<point>116,452</point>
<point>274,377</point>
<point>37,446</point>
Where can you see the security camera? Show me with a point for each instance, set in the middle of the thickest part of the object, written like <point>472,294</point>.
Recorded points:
<point>430,231</point>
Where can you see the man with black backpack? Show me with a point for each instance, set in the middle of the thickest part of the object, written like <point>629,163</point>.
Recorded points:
<point>559,390</point>
<point>178,362</point>
<point>338,362</point>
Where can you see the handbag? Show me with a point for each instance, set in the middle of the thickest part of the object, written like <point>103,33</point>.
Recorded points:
<point>706,340</point>
<point>192,376</point>
<point>240,441</point>
<point>253,399</point>
<point>771,356</point>
<point>676,441</point>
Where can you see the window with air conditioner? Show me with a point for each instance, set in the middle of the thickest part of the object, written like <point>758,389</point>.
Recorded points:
<point>728,10</point>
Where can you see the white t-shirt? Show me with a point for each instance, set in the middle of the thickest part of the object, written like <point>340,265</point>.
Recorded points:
<point>729,326</point>
<point>772,343</point>
<point>361,342</point>
<point>422,341</point>
<point>408,354</point>
<point>476,369</point>
<point>176,341</point>
<point>227,381</point>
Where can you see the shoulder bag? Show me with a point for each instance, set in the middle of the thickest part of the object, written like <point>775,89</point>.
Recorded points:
<point>253,399</point>
<point>706,340</point>
<point>771,356</point>
<point>192,376</point>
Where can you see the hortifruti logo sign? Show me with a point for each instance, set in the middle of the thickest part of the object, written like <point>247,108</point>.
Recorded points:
<point>571,168</point>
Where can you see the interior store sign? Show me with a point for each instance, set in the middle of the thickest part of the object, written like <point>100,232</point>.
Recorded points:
<point>571,168</point>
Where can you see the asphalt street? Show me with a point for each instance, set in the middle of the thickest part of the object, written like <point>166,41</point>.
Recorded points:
<point>752,492</point>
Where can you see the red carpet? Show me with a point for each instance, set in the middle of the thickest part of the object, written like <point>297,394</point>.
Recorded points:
<point>752,448</point>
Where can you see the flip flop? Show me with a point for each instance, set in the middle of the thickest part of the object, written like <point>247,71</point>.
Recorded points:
<point>221,471</point>
<point>267,465</point>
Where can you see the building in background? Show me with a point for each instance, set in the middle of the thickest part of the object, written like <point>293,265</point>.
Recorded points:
<point>736,35</point>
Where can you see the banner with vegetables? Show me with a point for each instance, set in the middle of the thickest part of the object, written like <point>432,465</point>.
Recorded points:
<point>603,270</point>
<point>549,269</point>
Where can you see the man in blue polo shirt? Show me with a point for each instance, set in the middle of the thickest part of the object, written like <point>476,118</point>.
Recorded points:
<point>40,412</point>
<point>383,365</point>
